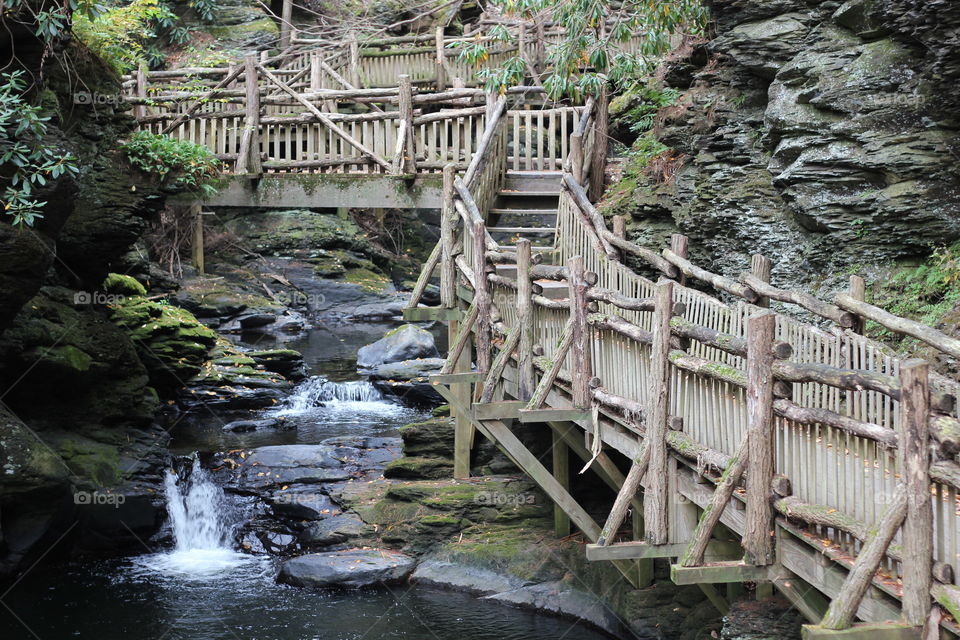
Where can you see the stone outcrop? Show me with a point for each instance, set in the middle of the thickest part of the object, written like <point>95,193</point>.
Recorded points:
<point>821,134</point>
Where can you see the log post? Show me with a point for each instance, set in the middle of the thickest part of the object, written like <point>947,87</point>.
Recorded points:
<point>858,291</point>
<point>598,164</point>
<point>448,240</point>
<point>527,381</point>
<point>354,47</point>
<point>576,157</point>
<point>140,110</point>
<point>286,17</point>
<point>409,165</point>
<point>581,365</point>
<point>196,216</point>
<point>620,227</point>
<point>264,57</point>
<point>248,158</point>
<point>560,454</point>
<point>757,539</point>
<point>915,469</point>
<point>462,425</point>
<point>760,267</point>
<point>481,297</point>
<point>655,497</point>
<point>441,70</point>
<point>679,244</point>
<point>316,79</point>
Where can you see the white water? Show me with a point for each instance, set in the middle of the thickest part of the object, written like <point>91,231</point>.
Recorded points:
<point>358,395</point>
<point>196,509</point>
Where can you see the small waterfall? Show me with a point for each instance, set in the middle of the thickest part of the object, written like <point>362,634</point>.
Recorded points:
<point>198,515</point>
<point>318,391</point>
<point>196,510</point>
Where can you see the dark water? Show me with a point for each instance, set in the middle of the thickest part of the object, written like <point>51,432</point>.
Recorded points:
<point>116,600</point>
<point>160,597</point>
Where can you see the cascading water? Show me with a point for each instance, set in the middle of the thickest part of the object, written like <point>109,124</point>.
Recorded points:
<point>318,391</point>
<point>197,511</point>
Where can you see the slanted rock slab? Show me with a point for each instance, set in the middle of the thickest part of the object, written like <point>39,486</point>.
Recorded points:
<point>352,568</point>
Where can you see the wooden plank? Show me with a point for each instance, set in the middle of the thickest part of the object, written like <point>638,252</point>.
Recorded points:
<point>554,415</point>
<point>560,458</point>
<point>655,496</point>
<point>424,279</point>
<point>460,389</point>
<point>866,631</point>
<point>481,296</point>
<point>431,314</point>
<point>504,410</point>
<point>757,539</point>
<point>915,470</point>
<point>455,378</point>
<point>627,494</point>
<point>719,572</point>
<point>716,550</point>
<point>525,325</point>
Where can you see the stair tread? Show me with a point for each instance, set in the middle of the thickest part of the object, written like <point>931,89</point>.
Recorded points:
<point>522,229</point>
<point>511,210</point>
<point>529,194</point>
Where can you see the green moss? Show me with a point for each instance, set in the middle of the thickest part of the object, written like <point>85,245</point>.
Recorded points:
<point>367,279</point>
<point>70,357</point>
<point>123,285</point>
<point>98,462</point>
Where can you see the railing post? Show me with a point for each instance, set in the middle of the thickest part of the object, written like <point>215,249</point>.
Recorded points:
<point>286,15</point>
<point>354,60</point>
<point>858,291</point>
<point>915,469</point>
<point>248,158</point>
<point>448,239</point>
<point>757,541</point>
<point>581,361</point>
<point>760,267</point>
<point>655,494</point>
<point>679,244</point>
<point>196,217</point>
<point>598,164</point>
<point>409,164</point>
<point>620,227</point>
<point>440,63</point>
<point>140,110</point>
<point>527,381</point>
<point>481,298</point>
<point>576,157</point>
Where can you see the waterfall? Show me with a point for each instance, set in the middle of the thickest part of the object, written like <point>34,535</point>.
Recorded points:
<point>196,510</point>
<point>198,516</point>
<point>318,391</point>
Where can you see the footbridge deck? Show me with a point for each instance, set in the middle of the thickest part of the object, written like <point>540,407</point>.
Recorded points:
<point>796,455</point>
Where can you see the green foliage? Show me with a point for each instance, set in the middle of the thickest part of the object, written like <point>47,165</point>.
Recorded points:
<point>27,162</point>
<point>118,35</point>
<point>591,54</point>
<point>176,163</point>
<point>651,100</point>
<point>645,148</point>
<point>926,293</point>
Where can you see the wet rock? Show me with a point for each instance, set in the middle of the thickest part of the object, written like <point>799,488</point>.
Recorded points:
<point>430,439</point>
<point>462,577</point>
<point>286,362</point>
<point>408,380</point>
<point>560,598</point>
<point>301,503</point>
<point>407,342</point>
<point>246,426</point>
<point>352,568</point>
<point>334,530</point>
<point>419,468</point>
<point>285,465</point>
<point>769,619</point>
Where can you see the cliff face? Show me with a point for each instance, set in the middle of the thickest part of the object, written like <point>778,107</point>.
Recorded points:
<point>819,133</point>
<point>76,408</point>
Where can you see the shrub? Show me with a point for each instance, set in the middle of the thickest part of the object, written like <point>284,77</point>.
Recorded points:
<point>178,164</point>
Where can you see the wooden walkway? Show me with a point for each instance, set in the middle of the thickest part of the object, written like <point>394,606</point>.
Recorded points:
<point>797,456</point>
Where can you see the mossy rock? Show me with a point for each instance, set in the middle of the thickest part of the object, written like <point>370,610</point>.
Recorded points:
<point>119,284</point>
<point>172,343</point>
<point>419,468</point>
<point>91,460</point>
<point>431,438</point>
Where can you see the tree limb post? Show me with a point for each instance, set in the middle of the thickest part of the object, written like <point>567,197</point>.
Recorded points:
<point>580,351</point>
<point>448,240</point>
<point>655,497</point>
<point>481,296</point>
<point>760,267</point>
<point>248,158</point>
<point>527,381</point>
<point>757,538</point>
<point>409,162</point>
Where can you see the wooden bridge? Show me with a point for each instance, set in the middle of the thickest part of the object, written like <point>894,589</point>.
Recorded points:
<point>796,455</point>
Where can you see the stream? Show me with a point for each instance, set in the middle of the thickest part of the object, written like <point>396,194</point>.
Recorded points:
<point>203,589</point>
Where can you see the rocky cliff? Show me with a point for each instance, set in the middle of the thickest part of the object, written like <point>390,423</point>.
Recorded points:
<point>819,133</point>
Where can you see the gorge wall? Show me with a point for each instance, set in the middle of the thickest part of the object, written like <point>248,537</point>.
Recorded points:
<point>822,134</point>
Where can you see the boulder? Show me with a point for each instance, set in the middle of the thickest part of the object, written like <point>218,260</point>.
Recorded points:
<point>407,342</point>
<point>352,568</point>
<point>334,530</point>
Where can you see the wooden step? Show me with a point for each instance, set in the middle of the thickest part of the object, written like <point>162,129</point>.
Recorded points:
<point>528,193</point>
<point>523,212</point>
<point>537,180</point>
<point>521,230</point>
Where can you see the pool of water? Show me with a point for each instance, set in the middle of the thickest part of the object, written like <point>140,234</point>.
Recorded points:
<point>142,598</point>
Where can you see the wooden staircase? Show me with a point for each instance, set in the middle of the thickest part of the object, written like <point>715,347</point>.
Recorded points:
<point>526,207</point>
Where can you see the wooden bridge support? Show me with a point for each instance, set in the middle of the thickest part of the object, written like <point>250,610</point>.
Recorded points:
<point>248,156</point>
<point>655,496</point>
<point>758,538</point>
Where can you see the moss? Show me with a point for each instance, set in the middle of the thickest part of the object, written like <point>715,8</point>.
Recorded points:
<point>442,410</point>
<point>419,468</point>
<point>70,357</point>
<point>98,462</point>
<point>367,279</point>
<point>123,285</point>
